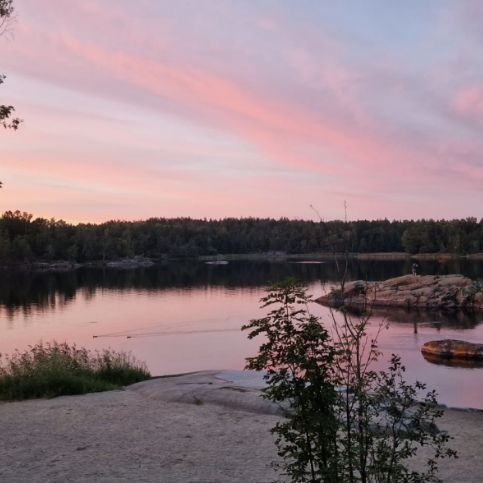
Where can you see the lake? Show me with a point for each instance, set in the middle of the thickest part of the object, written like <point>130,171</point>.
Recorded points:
<point>186,316</point>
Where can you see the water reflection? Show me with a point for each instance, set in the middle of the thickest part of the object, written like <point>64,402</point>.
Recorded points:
<point>459,319</point>
<point>181,317</point>
<point>463,363</point>
<point>22,292</point>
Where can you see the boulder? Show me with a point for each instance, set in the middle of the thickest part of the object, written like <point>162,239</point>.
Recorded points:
<point>452,349</point>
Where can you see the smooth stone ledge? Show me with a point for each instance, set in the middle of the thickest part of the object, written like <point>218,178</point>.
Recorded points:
<point>247,379</point>
<point>232,389</point>
<point>239,390</point>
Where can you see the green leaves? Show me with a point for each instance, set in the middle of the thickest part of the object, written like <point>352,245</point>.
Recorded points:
<point>6,112</point>
<point>55,369</point>
<point>6,120</point>
<point>6,9</point>
<point>344,421</point>
<point>298,360</point>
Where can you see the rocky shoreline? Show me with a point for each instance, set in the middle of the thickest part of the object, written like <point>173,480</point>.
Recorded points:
<point>67,266</point>
<point>428,292</point>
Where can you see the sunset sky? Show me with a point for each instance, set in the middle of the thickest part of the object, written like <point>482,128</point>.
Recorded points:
<point>199,108</point>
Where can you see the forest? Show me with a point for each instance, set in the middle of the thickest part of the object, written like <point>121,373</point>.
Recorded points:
<point>24,238</point>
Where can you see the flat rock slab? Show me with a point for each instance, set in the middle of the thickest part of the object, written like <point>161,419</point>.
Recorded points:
<point>232,389</point>
<point>453,349</point>
<point>441,292</point>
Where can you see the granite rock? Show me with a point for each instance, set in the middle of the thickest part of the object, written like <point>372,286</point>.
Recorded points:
<point>442,292</point>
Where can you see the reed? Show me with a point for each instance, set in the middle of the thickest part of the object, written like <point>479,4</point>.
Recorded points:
<point>56,369</point>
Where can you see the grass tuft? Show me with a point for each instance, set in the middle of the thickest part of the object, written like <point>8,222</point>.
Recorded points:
<point>56,369</point>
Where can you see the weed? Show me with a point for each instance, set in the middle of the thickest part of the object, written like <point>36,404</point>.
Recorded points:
<point>55,369</point>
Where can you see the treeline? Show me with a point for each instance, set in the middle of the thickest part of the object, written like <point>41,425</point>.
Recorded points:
<point>23,238</point>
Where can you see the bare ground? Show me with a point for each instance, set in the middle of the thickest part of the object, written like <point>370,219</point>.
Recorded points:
<point>193,428</point>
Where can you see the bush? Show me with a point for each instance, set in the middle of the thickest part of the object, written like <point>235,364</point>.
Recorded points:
<point>345,422</point>
<point>54,369</point>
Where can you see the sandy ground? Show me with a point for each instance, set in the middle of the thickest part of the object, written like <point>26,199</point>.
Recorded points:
<point>193,429</point>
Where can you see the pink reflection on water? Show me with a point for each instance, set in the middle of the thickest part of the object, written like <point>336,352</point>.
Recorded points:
<point>180,330</point>
<point>172,330</point>
<point>456,386</point>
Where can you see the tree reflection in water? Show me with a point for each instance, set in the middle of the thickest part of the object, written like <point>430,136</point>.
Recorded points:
<point>21,292</point>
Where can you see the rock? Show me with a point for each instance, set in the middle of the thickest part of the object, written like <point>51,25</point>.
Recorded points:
<point>58,266</point>
<point>222,388</point>
<point>129,263</point>
<point>445,292</point>
<point>452,349</point>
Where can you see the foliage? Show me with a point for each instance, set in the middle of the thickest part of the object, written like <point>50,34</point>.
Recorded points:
<point>6,111</point>
<point>44,240</point>
<point>345,422</point>
<point>408,424</point>
<point>50,370</point>
<point>299,364</point>
<point>6,120</point>
<point>6,11</point>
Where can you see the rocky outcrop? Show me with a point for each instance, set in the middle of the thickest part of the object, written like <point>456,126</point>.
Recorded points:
<point>452,349</point>
<point>442,292</point>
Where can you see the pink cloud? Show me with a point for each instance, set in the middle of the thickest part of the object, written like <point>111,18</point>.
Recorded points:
<point>270,124</point>
<point>468,102</point>
<point>250,114</point>
<point>341,139</point>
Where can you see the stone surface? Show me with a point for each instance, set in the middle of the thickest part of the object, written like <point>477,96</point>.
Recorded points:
<point>453,349</point>
<point>443,292</point>
<point>223,388</point>
<point>129,263</point>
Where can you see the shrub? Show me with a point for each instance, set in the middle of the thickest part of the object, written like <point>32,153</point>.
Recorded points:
<point>55,369</point>
<point>345,422</point>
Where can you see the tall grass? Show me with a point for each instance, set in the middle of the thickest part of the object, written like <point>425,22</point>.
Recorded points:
<point>55,369</point>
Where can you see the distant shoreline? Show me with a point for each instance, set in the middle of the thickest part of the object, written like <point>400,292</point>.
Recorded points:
<point>326,256</point>
<point>144,262</point>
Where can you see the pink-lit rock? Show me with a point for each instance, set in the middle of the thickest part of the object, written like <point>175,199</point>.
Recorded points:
<point>443,292</point>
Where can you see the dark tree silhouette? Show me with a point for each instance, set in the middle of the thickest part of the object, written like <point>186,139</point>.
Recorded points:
<point>23,237</point>
<point>6,111</point>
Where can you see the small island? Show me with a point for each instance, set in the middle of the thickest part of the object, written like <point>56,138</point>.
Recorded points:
<point>430,292</point>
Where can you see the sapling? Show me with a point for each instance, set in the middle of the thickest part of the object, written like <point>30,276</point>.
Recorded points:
<point>344,421</point>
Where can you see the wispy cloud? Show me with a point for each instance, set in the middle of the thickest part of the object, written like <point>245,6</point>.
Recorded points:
<point>314,105</point>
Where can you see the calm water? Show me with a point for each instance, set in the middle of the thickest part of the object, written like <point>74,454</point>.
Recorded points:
<point>187,316</point>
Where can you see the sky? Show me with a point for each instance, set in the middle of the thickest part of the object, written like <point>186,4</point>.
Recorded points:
<point>230,108</point>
